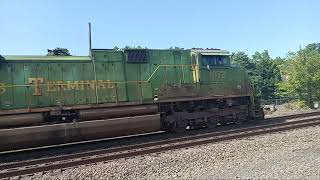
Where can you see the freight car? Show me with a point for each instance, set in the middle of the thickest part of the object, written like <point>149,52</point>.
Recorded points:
<point>57,99</point>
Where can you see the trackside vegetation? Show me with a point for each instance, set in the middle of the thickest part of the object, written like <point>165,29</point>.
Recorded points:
<point>296,75</point>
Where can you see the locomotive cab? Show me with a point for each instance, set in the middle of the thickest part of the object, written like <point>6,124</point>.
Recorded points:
<point>211,65</point>
<point>216,77</point>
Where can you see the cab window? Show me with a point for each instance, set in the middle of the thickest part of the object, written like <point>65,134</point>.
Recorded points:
<point>214,60</point>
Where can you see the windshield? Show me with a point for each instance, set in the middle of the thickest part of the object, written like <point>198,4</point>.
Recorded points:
<point>214,60</point>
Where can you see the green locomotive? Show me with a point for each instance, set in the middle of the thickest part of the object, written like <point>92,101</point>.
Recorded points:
<point>119,92</point>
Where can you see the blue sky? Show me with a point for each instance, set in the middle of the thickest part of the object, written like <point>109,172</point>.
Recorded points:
<point>30,27</point>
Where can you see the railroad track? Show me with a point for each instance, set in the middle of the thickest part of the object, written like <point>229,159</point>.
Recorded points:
<point>92,157</point>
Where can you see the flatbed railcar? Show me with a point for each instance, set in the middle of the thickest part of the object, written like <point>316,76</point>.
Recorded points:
<point>57,99</point>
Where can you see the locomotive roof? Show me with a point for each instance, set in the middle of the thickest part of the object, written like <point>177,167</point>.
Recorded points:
<point>45,58</point>
<point>211,52</point>
<point>87,58</point>
<point>194,50</point>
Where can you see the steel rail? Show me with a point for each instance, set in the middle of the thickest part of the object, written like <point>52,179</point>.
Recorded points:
<point>62,162</point>
<point>130,147</point>
<point>270,119</point>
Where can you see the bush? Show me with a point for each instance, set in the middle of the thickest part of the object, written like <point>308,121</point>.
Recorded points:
<point>297,104</point>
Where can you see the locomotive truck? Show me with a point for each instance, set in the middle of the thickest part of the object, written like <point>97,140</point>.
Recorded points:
<point>48,100</point>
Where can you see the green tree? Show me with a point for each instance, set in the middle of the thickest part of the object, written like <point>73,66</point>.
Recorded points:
<point>175,48</point>
<point>266,75</point>
<point>134,47</point>
<point>58,52</point>
<point>127,47</point>
<point>304,74</point>
<point>279,62</point>
<point>243,60</point>
<point>282,86</point>
<point>313,47</point>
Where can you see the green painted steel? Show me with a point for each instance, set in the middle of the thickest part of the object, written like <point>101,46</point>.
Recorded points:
<point>46,58</point>
<point>50,81</point>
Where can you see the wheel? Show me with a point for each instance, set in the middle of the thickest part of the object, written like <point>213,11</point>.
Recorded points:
<point>240,119</point>
<point>178,129</point>
<point>212,122</point>
<point>179,126</point>
<point>175,124</point>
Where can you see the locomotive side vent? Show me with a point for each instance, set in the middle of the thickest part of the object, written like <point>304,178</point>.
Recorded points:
<point>137,56</point>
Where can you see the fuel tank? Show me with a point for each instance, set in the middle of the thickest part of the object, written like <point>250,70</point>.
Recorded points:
<point>17,120</point>
<point>35,136</point>
<point>102,113</point>
<point>20,119</point>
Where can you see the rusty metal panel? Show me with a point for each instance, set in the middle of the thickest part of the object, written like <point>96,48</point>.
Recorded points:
<point>177,70</point>
<point>42,75</point>
<point>212,90</point>
<point>238,81</point>
<point>187,76</point>
<point>19,92</point>
<point>222,81</point>
<point>33,91</point>
<point>76,90</point>
<point>110,76</point>
<point>159,76</point>
<point>53,89</point>
<point>102,86</point>
<point>120,89</point>
<point>68,92</point>
<point>173,77</point>
<point>171,74</point>
<point>87,78</point>
<point>134,88</point>
<point>177,91</point>
<point>6,93</point>
<point>27,69</point>
<point>146,87</point>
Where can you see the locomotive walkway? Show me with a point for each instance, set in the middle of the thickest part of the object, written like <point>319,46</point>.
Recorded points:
<point>62,162</point>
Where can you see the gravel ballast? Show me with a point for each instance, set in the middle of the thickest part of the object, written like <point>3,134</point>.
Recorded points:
<point>288,155</point>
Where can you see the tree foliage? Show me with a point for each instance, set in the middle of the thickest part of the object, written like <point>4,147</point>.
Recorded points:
<point>263,72</point>
<point>175,48</point>
<point>304,74</point>
<point>58,52</point>
<point>134,47</point>
<point>297,75</point>
<point>243,60</point>
<point>116,48</point>
<point>266,75</point>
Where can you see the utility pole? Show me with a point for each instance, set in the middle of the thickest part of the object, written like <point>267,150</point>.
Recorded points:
<point>90,46</point>
<point>93,65</point>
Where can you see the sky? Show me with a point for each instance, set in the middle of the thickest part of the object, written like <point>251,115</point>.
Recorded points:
<point>33,26</point>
